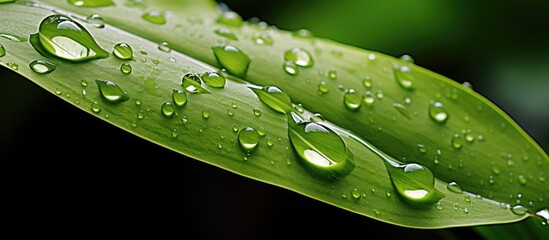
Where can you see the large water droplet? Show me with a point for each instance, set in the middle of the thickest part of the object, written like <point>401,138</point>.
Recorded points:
<point>213,79</point>
<point>519,210</point>
<point>352,100</point>
<point>67,39</point>
<point>230,18</point>
<point>179,97</point>
<point>191,82</point>
<point>42,66</point>
<point>123,51</point>
<point>111,91</point>
<point>404,77</point>
<point>155,17</point>
<point>299,56</point>
<point>274,98</point>
<point>415,183</point>
<point>248,138</point>
<point>91,3</point>
<point>227,33</point>
<point>322,151</point>
<point>369,99</point>
<point>437,112</point>
<point>167,109</point>
<point>232,59</point>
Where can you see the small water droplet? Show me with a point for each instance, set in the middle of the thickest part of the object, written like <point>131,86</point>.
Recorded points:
<point>414,182</point>
<point>454,187</point>
<point>437,112</point>
<point>248,138</point>
<point>368,99</point>
<point>257,112</point>
<point>519,210</point>
<point>263,38</point>
<point>522,179</point>
<point>67,39</point>
<point>290,68</point>
<point>42,66</point>
<point>352,100</point>
<point>95,107</point>
<point>355,193</point>
<point>206,114</point>
<point>164,47</point>
<point>421,148</point>
<point>155,17</point>
<point>367,82</point>
<point>303,33</point>
<point>13,37</point>
<point>232,59</point>
<point>323,87</point>
<point>167,109</point>
<point>95,20</point>
<point>226,33</point>
<point>123,51</point>
<point>111,91</point>
<point>404,77</point>
<point>179,97</point>
<point>407,58</point>
<point>275,98</point>
<point>138,102</point>
<point>126,68</point>
<point>379,94</point>
<point>457,141</point>
<point>230,18</point>
<point>299,56</point>
<point>91,3</point>
<point>332,74</point>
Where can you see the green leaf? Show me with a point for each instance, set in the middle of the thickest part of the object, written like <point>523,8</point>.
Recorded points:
<point>494,161</point>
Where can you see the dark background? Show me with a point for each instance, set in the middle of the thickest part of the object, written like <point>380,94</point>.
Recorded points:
<point>114,184</point>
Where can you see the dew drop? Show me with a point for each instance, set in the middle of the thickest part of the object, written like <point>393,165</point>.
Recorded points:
<point>437,112</point>
<point>414,182</point>
<point>519,210</point>
<point>407,58</point>
<point>355,193</point>
<point>404,77</point>
<point>232,59</point>
<point>263,39</point>
<point>299,56</point>
<point>421,148</point>
<point>457,141</point>
<point>454,187</point>
<point>13,37</point>
<point>191,82</point>
<point>42,66</point>
<point>522,179</point>
<point>213,79</point>
<point>367,82</point>
<point>67,39</point>
<point>95,20</point>
<point>230,18</point>
<point>164,47</point>
<point>91,3</point>
<point>323,87</point>
<point>206,114</point>
<point>248,138</point>
<point>226,33</point>
<point>402,110</point>
<point>155,17</point>
<point>322,151</point>
<point>95,107</point>
<point>126,68</point>
<point>179,97</point>
<point>332,74</point>
<point>257,112</point>
<point>123,51</point>
<point>290,68</point>
<point>303,33</point>
<point>167,109</point>
<point>111,91</point>
<point>352,100</point>
<point>275,98</point>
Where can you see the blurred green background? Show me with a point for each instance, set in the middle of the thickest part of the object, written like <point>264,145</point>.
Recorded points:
<point>64,169</point>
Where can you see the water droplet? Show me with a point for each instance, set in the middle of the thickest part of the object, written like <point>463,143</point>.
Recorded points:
<point>232,59</point>
<point>257,112</point>
<point>323,87</point>
<point>84,83</point>
<point>155,17</point>
<point>95,107</point>
<point>230,18</point>
<point>164,47</point>
<point>227,33</point>
<point>274,98</point>
<point>457,141</point>
<point>179,97</point>
<point>421,148</point>
<point>12,37</point>
<point>322,151</point>
<point>402,110</point>
<point>437,112</point>
<point>213,79</point>
<point>379,94</point>
<point>404,77</point>
<point>414,182</point>
<point>454,187</point>
<point>367,82</point>
<point>123,51</point>
<point>368,99</point>
<point>407,58</point>
<point>303,33</point>
<point>191,82</point>
<point>167,109</point>
<point>316,118</point>
<point>95,20</point>
<point>290,68</point>
<point>91,3</point>
<point>67,39</point>
<point>519,210</point>
<point>352,100</point>
<point>522,179</point>
<point>126,68</point>
<point>2,51</point>
<point>263,38</point>
<point>111,91</point>
<point>206,114</point>
<point>42,66</point>
<point>248,138</point>
<point>299,56</point>
<point>332,74</point>
<point>469,136</point>
<point>355,193</point>
<point>7,1</point>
